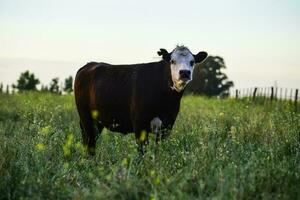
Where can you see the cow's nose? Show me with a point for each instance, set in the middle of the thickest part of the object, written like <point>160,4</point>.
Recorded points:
<point>185,74</point>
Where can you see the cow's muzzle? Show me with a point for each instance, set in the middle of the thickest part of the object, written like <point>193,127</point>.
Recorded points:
<point>185,75</point>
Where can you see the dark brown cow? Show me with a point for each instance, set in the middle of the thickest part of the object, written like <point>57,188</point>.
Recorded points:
<point>139,98</point>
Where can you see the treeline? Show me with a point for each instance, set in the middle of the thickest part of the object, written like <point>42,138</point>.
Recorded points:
<point>29,82</point>
<point>208,79</point>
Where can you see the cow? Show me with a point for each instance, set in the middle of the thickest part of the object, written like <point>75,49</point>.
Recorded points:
<point>140,98</point>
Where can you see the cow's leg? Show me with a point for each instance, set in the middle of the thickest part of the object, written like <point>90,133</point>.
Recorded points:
<point>84,136</point>
<point>88,134</point>
<point>155,126</point>
<point>167,126</point>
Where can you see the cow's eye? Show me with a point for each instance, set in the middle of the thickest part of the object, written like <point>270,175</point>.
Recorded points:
<point>192,63</point>
<point>173,62</point>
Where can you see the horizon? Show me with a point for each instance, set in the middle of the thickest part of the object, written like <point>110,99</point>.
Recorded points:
<point>259,41</point>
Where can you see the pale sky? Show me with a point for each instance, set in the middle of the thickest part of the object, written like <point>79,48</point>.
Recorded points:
<point>259,40</point>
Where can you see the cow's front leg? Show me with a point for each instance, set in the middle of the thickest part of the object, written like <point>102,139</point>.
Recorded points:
<point>167,125</point>
<point>155,126</point>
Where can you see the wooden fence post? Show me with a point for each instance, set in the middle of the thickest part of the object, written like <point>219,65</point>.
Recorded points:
<point>236,94</point>
<point>272,93</point>
<point>7,89</point>
<point>1,88</point>
<point>254,93</point>
<point>296,99</point>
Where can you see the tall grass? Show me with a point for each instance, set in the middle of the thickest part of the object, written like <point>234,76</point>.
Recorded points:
<point>222,149</point>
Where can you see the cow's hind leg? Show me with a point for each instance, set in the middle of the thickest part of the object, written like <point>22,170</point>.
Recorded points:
<point>88,134</point>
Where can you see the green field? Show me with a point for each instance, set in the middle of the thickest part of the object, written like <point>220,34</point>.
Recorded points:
<point>220,149</point>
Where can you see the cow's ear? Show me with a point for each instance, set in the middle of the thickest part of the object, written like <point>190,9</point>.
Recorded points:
<point>200,57</point>
<point>165,54</point>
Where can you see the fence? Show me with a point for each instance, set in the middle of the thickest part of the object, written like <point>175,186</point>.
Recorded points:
<point>267,93</point>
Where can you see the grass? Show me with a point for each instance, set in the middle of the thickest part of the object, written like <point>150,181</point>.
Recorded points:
<point>220,149</point>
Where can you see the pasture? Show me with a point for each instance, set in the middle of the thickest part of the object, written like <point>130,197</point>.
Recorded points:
<point>221,149</point>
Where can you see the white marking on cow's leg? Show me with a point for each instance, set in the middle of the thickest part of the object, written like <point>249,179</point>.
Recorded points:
<point>155,125</point>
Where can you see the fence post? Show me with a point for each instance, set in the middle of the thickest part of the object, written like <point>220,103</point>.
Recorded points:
<point>236,94</point>
<point>7,89</point>
<point>272,93</point>
<point>1,88</point>
<point>254,93</point>
<point>296,99</point>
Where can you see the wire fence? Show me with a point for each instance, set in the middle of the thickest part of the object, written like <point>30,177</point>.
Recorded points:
<point>267,93</point>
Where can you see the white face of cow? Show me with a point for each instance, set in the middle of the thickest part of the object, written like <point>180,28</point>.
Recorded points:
<point>182,65</point>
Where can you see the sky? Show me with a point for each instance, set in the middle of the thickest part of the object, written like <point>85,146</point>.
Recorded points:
<point>259,40</point>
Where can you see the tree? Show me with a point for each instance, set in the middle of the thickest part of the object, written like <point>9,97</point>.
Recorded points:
<point>208,78</point>
<point>27,81</point>
<point>54,87</point>
<point>68,84</point>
